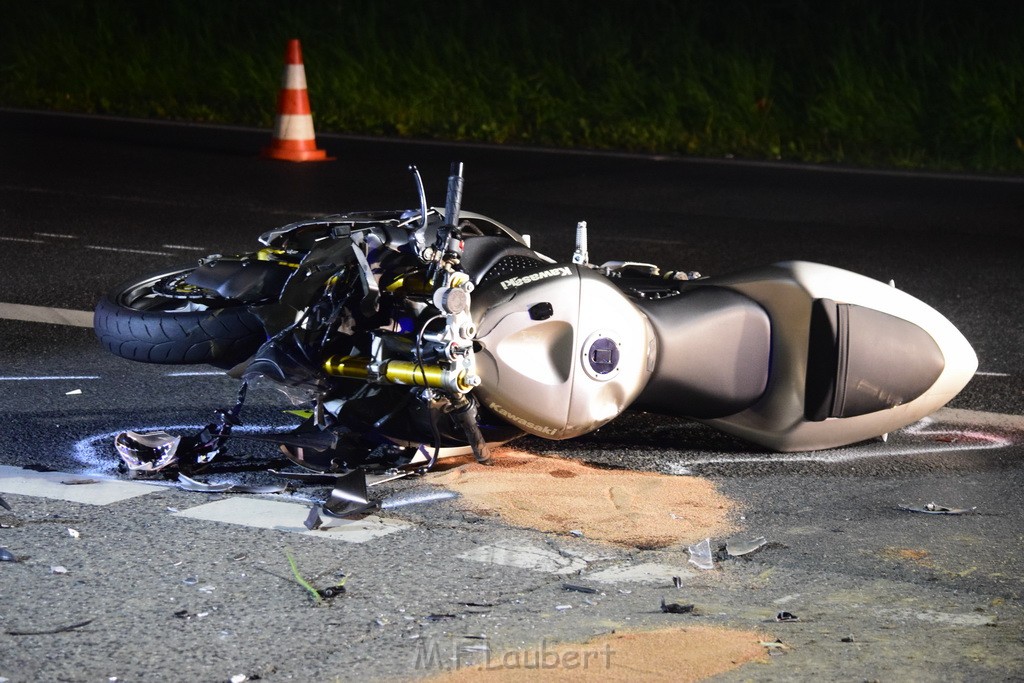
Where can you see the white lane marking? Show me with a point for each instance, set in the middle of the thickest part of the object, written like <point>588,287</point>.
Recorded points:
<point>42,314</point>
<point>509,554</point>
<point>56,235</point>
<point>183,247</point>
<point>23,240</point>
<point>647,572</point>
<point>48,378</point>
<point>24,482</point>
<point>198,373</point>
<point>937,441</point>
<point>129,251</point>
<point>992,374</point>
<point>261,513</point>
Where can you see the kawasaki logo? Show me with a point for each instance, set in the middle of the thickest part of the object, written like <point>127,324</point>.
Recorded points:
<point>522,422</point>
<point>561,271</point>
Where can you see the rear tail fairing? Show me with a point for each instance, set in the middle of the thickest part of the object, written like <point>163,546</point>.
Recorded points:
<point>851,358</point>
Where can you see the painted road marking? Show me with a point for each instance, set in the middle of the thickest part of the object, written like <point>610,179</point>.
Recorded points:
<point>49,485</point>
<point>129,251</point>
<point>965,436</point>
<point>41,314</point>
<point>261,513</point>
<point>509,554</point>
<point>23,240</point>
<point>56,235</point>
<point>647,572</point>
<point>48,378</point>
<point>183,247</point>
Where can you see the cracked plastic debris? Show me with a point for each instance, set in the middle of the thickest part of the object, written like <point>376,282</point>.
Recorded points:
<point>936,509</point>
<point>150,452</point>
<point>348,498</point>
<point>738,548</point>
<point>786,616</point>
<point>700,554</point>
<point>4,504</point>
<point>676,608</point>
<point>7,556</point>
<point>188,484</point>
<point>578,588</point>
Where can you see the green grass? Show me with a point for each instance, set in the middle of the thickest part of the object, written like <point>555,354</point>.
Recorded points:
<point>907,84</point>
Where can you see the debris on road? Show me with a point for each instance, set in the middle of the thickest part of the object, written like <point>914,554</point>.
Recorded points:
<point>7,556</point>
<point>74,533</point>
<point>52,631</point>
<point>4,504</point>
<point>58,569</point>
<point>188,484</point>
<point>700,555</point>
<point>147,453</point>
<point>786,616</point>
<point>78,482</point>
<point>739,548</point>
<point>936,509</point>
<point>676,608</point>
<point>73,392</point>
<point>578,588</point>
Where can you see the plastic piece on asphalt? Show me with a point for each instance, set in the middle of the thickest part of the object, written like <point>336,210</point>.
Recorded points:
<point>936,509</point>
<point>676,608</point>
<point>745,546</point>
<point>578,588</point>
<point>4,504</point>
<point>700,555</point>
<point>786,616</point>
<point>150,452</point>
<point>74,533</point>
<point>188,484</point>
<point>7,556</point>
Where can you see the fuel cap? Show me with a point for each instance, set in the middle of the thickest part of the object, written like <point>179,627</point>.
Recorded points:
<point>601,356</point>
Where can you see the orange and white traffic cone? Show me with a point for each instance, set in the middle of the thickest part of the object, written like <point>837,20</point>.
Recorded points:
<point>294,139</point>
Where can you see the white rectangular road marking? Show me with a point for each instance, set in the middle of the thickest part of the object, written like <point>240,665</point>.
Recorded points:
<point>647,572</point>
<point>525,557</point>
<point>284,516</point>
<point>41,314</point>
<point>48,485</point>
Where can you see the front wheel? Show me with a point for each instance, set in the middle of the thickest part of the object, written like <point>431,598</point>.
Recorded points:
<point>162,319</point>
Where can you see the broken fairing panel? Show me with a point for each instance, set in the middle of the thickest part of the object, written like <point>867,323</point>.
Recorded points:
<point>150,452</point>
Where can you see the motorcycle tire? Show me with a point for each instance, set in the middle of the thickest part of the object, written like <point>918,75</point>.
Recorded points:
<point>160,319</point>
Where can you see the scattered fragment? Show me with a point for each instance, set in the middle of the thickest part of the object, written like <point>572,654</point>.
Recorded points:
<point>786,616</point>
<point>578,588</point>
<point>562,608</point>
<point>78,482</point>
<point>60,629</point>
<point>208,588</point>
<point>7,556</point>
<point>677,581</point>
<point>74,533</point>
<point>188,616</point>
<point>416,497</point>
<point>739,548</point>
<point>239,678</point>
<point>774,645</point>
<point>348,498</point>
<point>58,569</point>
<point>150,452</point>
<point>190,580</point>
<point>439,617</point>
<point>846,639</point>
<point>73,392</point>
<point>4,504</point>
<point>935,509</point>
<point>577,533</point>
<point>676,608</point>
<point>700,554</point>
<point>187,484</point>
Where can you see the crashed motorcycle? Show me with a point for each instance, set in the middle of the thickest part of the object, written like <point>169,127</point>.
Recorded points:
<point>413,334</point>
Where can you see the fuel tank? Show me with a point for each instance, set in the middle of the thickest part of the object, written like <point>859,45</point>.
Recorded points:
<point>559,349</point>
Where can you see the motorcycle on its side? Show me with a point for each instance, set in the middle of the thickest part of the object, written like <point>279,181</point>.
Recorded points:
<point>416,333</point>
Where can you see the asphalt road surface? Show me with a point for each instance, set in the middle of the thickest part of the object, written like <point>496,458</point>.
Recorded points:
<point>162,584</point>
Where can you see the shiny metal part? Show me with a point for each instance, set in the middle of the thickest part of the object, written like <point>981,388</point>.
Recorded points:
<point>149,452</point>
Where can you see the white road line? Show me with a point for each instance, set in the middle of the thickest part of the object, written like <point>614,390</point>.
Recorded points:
<point>129,251</point>
<point>41,314</point>
<point>22,482</point>
<point>183,247</point>
<point>261,513</point>
<point>992,374</point>
<point>964,436</point>
<point>24,240</point>
<point>198,373</point>
<point>48,378</point>
<point>56,235</point>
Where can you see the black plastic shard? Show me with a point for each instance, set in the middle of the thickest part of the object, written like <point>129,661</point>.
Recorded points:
<point>676,608</point>
<point>4,504</point>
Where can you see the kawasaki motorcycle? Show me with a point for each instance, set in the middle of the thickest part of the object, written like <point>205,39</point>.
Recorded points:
<point>413,334</point>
